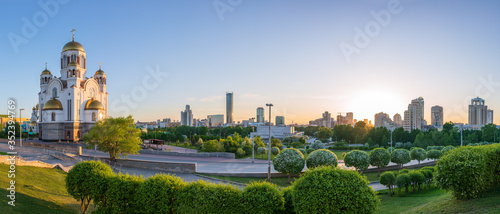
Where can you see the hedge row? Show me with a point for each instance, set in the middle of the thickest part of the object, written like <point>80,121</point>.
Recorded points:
<point>405,179</point>
<point>469,171</point>
<point>321,190</point>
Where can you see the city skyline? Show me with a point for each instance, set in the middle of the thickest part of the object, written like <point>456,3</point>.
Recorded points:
<point>294,45</point>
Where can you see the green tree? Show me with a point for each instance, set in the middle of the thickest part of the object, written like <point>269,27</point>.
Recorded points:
<point>289,161</point>
<point>418,154</point>
<point>212,146</point>
<point>389,180</point>
<point>321,157</point>
<point>400,156</point>
<point>357,159</point>
<point>488,132</point>
<point>420,141</point>
<point>324,134</point>
<point>275,142</point>
<point>116,136</point>
<point>380,158</point>
<point>262,151</point>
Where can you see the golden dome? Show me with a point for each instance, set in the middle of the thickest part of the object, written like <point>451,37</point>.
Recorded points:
<point>53,104</point>
<point>46,72</point>
<point>74,46</point>
<point>101,72</point>
<point>73,63</point>
<point>94,104</point>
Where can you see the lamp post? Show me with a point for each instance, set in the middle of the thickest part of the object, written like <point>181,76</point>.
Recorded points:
<point>392,129</point>
<point>253,140</point>
<point>269,151</point>
<point>21,127</point>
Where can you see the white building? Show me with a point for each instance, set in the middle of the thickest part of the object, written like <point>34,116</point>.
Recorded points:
<point>72,103</point>
<point>279,132</point>
<point>414,116</point>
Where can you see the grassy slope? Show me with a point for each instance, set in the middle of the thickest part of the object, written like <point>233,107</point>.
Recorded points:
<point>38,190</point>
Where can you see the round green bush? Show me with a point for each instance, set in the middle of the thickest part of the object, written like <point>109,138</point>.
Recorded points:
<point>303,151</point>
<point>121,194</point>
<point>400,156</point>
<point>447,148</point>
<point>203,197</point>
<point>357,159</point>
<point>403,180</point>
<point>287,195</point>
<point>262,151</point>
<point>388,179</point>
<point>428,176</point>
<point>416,178</point>
<point>434,154</point>
<point>159,194</point>
<point>240,152</point>
<point>289,161</point>
<point>430,168</point>
<point>321,157</point>
<point>317,145</point>
<point>333,190</point>
<point>310,150</point>
<point>418,154</point>
<point>275,150</point>
<point>88,181</point>
<point>262,197</point>
<point>380,158</point>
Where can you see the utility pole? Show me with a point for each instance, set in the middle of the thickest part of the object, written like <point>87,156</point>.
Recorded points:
<point>269,151</point>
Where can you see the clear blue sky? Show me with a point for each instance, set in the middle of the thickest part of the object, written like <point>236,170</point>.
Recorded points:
<point>282,52</point>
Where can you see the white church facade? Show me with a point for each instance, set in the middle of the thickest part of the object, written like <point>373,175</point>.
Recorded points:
<point>69,105</point>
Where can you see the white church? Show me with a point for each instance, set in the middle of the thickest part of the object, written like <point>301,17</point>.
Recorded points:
<point>69,105</point>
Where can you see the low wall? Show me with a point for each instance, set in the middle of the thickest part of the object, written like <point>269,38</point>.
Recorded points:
<point>175,167</point>
<point>201,154</point>
<point>5,159</point>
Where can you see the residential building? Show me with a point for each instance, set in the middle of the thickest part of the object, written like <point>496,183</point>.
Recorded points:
<point>216,120</point>
<point>229,107</point>
<point>187,117</point>
<point>414,116</point>
<point>489,117</point>
<point>280,120</point>
<point>478,112</point>
<point>397,119</point>
<point>437,116</point>
<point>260,115</point>
<point>383,119</point>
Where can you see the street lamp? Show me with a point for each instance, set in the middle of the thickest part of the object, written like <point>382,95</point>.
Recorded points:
<point>269,151</point>
<point>21,127</point>
<point>253,140</point>
<point>392,129</point>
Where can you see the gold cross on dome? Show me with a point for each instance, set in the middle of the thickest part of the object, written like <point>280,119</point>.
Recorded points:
<point>99,66</point>
<point>73,31</point>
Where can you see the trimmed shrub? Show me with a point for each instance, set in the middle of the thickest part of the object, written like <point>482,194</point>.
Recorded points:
<point>390,149</point>
<point>317,145</point>
<point>380,158</point>
<point>262,151</point>
<point>430,168</point>
<point>435,147</point>
<point>428,176</point>
<point>275,150</point>
<point>469,171</point>
<point>404,171</point>
<point>310,150</point>
<point>121,194</point>
<point>262,197</point>
<point>212,146</point>
<point>434,154</point>
<point>333,190</point>
<point>160,194</point>
<point>446,149</point>
<point>287,195</point>
<point>403,180</point>
<point>321,157</point>
<point>203,197</point>
<point>418,154</point>
<point>416,178</point>
<point>401,157</point>
<point>303,151</point>
<point>289,161</point>
<point>88,181</point>
<point>240,152</point>
<point>388,179</point>
<point>357,159</point>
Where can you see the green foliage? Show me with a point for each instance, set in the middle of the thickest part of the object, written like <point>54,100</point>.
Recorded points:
<point>262,197</point>
<point>203,197</point>
<point>116,136</point>
<point>435,147</point>
<point>324,134</point>
<point>430,168</point>
<point>275,150</point>
<point>400,156</point>
<point>240,152</point>
<point>380,158</point>
<point>258,143</point>
<point>434,154</point>
<point>262,151</point>
<point>446,149</point>
<point>418,154</point>
<point>276,143</point>
<point>303,151</point>
<point>388,179</point>
<point>289,161</point>
<point>357,159</point>
<point>88,181</point>
<point>212,146</point>
<point>416,178</point>
<point>469,171</point>
<point>121,194</point>
<point>288,196</point>
<point>159,194</point>
<point>321,157</point>
<point>308,151</point>
<point>403,180</point>
<point>333,190</point>
<point>298,145</point>
<point>317,145</point>
<point>199,143</point>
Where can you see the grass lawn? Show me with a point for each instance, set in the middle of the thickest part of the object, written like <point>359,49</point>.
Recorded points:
<point>438,201</point>
<point>38,190</point>
<point>3,153</point>
<point>281,182</point>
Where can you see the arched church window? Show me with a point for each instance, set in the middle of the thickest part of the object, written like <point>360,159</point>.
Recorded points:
<point>53,116</point>
<point>54,92</point>
<point>94,118</point>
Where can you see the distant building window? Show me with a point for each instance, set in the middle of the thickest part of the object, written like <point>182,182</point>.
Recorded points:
<point>53,116</point>
<point>94,118</point>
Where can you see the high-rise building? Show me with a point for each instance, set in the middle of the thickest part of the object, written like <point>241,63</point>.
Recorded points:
<point>187,117</point>
<point>229,107</point>
<point>216,120</point>
<point>280,120</point>
<point>260,115</point>
<point>414,116</point>
<point>349,118</point>
<point>383,119</point>
<point>489,117</point>
<point>397,119</point>
<point>437,116</point>
<point>327,119</point>
<point>478,112</point>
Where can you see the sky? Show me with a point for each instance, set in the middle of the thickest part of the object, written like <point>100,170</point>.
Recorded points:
<point>304,57</point>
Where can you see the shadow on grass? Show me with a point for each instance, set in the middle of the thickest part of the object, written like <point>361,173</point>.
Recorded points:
<point>28,204</point>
